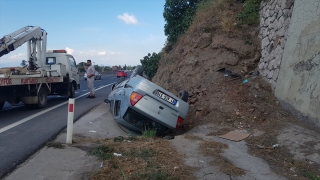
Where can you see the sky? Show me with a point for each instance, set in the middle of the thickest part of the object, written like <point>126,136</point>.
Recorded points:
<point>109,32</point>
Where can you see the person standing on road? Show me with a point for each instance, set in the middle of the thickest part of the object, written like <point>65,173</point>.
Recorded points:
<point>90,78</point>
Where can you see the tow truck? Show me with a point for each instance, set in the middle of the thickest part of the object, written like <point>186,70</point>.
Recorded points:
<point>52,72</point>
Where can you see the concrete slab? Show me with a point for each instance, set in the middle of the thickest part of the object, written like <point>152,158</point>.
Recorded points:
<point>237,153</point>
<point>72,162</point>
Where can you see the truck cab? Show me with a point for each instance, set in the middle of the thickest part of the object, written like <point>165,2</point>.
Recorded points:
<point>56,57</point>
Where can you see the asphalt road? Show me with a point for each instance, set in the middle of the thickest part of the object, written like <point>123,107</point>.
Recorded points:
<point>24,131</point>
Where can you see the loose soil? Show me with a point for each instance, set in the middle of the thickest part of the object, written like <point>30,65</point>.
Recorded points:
<point>217,65</point>
<point>216,62</point>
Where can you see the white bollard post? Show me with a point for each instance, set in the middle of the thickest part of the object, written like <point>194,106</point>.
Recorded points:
<point>70,121</point>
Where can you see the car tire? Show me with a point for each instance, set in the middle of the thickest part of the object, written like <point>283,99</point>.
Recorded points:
<point>184,95</point>
<point>1,104</point>
<point>71,91</point>
<point>140,70</point>
<point>137,71</point>
<point>42,99</point>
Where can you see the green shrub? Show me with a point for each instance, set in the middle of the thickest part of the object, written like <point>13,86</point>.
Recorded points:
<point>149,133</point>
<point>103,152</point>
<point>150,64</point>
<point>250,12</point>
<point>178,15</point>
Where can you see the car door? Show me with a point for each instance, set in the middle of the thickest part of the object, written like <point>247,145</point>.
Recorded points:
<point>117,102</point>
<point>74,69</point>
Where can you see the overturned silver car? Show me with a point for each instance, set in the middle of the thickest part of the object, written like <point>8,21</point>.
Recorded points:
<point>139,104</point>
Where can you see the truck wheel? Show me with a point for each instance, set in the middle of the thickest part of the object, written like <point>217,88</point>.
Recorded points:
<point>42,98</point>
<point>1,105</point>
<point>71,91</point>
<point>183,95</point>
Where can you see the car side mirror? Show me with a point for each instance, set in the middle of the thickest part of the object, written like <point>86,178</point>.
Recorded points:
<point>106,101</point>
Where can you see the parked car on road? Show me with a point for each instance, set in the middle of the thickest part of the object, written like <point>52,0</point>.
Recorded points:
<point>97,76</point>
<point>138,104</point>
<point>121,73</point>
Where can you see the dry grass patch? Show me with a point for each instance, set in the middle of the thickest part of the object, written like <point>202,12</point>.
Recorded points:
<point>141,158</point>
<point>223,13</point>
<point>193,137</point>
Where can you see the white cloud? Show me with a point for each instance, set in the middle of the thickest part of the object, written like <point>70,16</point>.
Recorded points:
<point>18,56</point>
<point>128,19</point>
<point>69,50</point>
<point>102,53</point>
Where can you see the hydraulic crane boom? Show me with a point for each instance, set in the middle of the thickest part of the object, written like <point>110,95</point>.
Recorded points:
<point>36,39</point>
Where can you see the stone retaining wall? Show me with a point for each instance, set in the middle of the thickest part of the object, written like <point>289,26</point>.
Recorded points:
<point>275,16</point>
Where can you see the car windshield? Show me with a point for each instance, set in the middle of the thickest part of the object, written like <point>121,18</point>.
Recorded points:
<point>142,122</point>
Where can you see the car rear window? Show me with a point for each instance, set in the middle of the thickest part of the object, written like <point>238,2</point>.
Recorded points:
<point>142,122</point>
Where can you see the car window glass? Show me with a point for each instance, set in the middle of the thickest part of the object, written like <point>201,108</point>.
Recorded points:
<point>142,122</point>
<point>72,62</point>
<point>50,60</point>
<point>117,108</point>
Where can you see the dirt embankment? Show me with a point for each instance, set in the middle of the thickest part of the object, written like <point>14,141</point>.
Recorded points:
<point>216,62</point>
<point>195,60</point>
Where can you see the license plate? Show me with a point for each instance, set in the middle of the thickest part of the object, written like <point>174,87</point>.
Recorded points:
<point>166,97</point>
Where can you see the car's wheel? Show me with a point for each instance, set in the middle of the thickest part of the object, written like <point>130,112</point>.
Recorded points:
<point>42,98</point>
<point>140,70</point>
<point>1,104</point>
<point>137,71</point>
<point>71,91</point>
<point>183,95</point>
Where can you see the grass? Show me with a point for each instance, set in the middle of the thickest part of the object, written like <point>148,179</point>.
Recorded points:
<point>312,176</point>
<point>144,153</point>
<point>250,13</point>
<point>55,145</point>
<point>149,133</point>
<point>156,175</point>
<point>141,159</point>
<point>103,152</point>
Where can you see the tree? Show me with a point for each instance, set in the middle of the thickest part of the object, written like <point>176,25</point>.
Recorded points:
<point>80,67</point>
<point>178,15</point>
<point>150,64</point>
<point>97,68</point>
<point>23,63</point>
<point>107,68</point>
<point>125,67</point>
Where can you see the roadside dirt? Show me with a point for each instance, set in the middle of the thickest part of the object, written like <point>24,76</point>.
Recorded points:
<point>217,64</point>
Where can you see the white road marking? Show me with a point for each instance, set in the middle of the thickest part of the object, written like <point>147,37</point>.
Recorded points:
<point>77,92</point>
<point>85,90</point>
<point>42,112</point>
